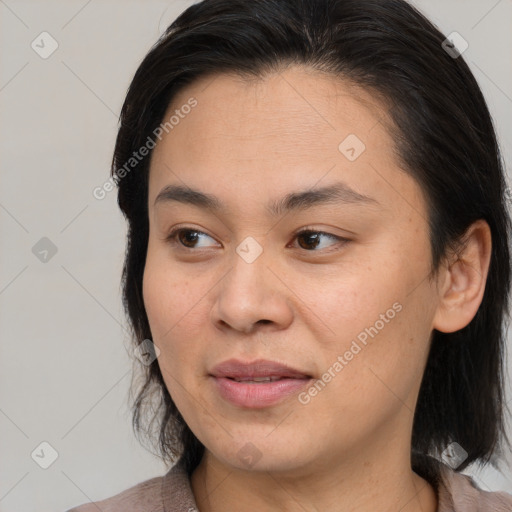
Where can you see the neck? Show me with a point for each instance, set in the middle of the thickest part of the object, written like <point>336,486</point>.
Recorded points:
<point>361,484</point>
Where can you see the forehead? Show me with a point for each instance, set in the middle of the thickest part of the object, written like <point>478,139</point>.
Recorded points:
<point>269,134</point>
<point>281,109</point>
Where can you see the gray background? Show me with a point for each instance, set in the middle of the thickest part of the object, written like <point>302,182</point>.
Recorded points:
<point>65,366</point>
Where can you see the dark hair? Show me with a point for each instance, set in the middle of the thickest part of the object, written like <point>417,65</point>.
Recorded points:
<point>444,139</point>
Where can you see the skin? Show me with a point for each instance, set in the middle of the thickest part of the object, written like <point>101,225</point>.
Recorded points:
<point>248,141</point>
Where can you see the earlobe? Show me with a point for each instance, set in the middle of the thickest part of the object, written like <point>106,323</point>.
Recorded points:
<point>464,280</point>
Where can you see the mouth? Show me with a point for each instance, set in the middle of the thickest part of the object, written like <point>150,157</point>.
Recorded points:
<point>257,371</point>
<point>258,380</point>
<point>257,384</point>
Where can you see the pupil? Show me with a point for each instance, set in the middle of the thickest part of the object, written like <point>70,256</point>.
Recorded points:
<point>310,236</point>
<point>188,235</point>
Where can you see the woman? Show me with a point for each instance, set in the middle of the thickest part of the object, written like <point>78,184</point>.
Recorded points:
<point>317,272</point>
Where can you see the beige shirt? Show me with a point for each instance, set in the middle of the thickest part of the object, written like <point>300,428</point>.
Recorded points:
<point>172,493</point>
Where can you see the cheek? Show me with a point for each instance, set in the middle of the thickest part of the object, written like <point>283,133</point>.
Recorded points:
<point>378,326</point>
<point>167,294</point>
<point>166,305</point>
<point>176,315</point>
<point>347,303</point>
<point>382,362</point>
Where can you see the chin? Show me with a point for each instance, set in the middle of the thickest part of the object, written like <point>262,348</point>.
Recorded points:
<point>258,453</point>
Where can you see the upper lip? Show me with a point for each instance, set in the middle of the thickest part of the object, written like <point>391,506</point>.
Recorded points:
<point>234,368</point>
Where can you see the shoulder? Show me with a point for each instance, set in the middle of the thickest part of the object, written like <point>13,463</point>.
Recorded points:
<point>460,493</point>
<point>169,493</point>
<point>145,496</point>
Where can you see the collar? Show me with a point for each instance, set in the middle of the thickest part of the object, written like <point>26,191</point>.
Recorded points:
<point>455,491</point>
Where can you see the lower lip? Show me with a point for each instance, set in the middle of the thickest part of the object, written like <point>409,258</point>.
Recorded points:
<point>258,395</point>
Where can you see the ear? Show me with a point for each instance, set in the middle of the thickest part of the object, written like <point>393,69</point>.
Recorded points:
<point>464,279</point>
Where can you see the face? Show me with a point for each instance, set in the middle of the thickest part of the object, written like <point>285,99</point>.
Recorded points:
<point>310,251</point>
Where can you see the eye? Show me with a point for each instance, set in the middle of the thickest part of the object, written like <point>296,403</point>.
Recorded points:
<point>187,237</point>
<point>311,240</point>
<point>308,239</point>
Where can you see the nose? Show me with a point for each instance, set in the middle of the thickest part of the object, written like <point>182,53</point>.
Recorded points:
<point>251,296</point>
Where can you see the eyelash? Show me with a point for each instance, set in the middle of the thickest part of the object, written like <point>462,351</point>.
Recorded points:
<point>172,237</point>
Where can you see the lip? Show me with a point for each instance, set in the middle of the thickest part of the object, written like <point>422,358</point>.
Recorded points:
<point>257,395</point>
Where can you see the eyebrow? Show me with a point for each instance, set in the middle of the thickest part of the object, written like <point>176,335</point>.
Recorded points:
<point>332,194</point>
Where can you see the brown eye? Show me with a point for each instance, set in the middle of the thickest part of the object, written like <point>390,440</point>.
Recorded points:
<point>310,240</point>
<point>187,237</point>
